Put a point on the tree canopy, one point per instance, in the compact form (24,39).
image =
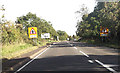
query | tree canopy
(12,33)
(31,20)
(105,14)
(62,35)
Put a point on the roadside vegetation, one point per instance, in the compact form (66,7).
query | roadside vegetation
(14,36)
(16,50)
(62,35)
(105,14)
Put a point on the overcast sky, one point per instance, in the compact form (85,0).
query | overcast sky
(61,13)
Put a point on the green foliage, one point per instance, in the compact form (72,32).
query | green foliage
(62,35)
(105,14)
(16,33)
(74,37)
(11,34)
(16,50)
(31,20)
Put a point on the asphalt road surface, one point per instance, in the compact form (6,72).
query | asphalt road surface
(74,56)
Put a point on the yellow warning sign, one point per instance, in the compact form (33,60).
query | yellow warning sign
(32,31)
(104,31)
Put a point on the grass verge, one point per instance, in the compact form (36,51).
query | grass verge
(99,43)
(11,54)
(15,50)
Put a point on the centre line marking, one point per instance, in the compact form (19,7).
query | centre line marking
(110,69)
(75,47)
(31,61)
(84,53)
(90,61)
(71,44)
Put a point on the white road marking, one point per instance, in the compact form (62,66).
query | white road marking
(110,65)
(80,51)
(67,42)
(104,65)
(90,61)
(31,61)
(110,69)
(71,44)
(75,47)
(54,43)
(84,53)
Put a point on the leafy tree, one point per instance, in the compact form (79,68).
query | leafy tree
(16,33)
(62,35)
(105,14)
(31,20)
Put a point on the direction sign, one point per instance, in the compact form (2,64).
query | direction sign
(32,31)
(45,35)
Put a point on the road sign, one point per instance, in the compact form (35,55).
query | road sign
(104,31)
(32,31)
(45,35)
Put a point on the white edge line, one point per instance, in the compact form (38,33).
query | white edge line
(110,69)
(31,60)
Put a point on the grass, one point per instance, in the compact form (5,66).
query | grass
(9,52)
(15,50)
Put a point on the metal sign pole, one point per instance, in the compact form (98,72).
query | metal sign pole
(102,39)
(35,40)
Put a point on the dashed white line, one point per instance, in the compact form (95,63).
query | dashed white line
(75,47)
(90,61)
(71,44)
(107,67)
(84,53)
(54,43)
(31,61)
(110,69)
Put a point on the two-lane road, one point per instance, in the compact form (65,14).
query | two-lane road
(74,56)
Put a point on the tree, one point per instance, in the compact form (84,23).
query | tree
(105,14)
(2,15)
(62,35)
(31,20)
(83,11)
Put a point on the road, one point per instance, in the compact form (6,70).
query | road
(74,56)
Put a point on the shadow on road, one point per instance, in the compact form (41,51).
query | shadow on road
(70,63)
(80,44)
(7,63)
(78,63)
(77,44)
